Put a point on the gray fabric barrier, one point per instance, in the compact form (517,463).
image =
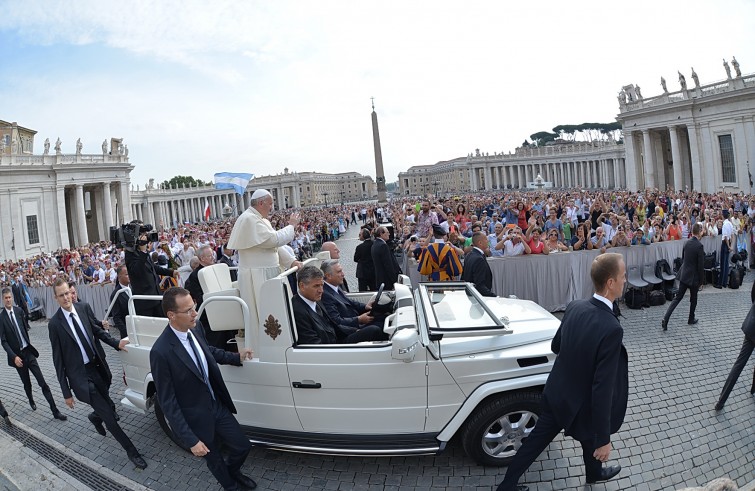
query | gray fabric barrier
(98,296)
(554,280)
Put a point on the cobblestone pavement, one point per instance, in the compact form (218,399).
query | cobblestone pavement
(671,437)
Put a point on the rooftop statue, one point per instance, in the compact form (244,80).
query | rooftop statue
(47,146)
(57,146)
(735,64)
(622,97)
(637,91)
(728,69)
(663,84)
(694,77)
(79,146)
(104,146)
(682,81)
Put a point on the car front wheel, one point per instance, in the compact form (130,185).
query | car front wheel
(495,430)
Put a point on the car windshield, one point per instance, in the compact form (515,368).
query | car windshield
(455,306)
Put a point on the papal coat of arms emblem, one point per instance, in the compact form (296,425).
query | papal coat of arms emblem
(272,327)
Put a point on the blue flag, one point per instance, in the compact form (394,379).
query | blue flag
(232,180)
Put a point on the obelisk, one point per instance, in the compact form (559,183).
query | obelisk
(379,173)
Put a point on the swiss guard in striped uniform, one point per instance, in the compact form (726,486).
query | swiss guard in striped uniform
(439,261)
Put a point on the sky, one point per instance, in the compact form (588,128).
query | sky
(196,88)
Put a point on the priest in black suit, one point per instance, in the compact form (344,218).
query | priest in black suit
(386,266)
(587,390)
(14,331)
(80,364)
(314,325)
(690,275)
(476,267)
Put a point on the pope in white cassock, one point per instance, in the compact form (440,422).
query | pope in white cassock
(260,247)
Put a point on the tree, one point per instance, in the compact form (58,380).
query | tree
(188,181)
(540,138)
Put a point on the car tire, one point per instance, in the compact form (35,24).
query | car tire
(163,422)
(497,428)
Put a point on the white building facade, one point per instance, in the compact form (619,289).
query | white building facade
(56,200)
(700,138)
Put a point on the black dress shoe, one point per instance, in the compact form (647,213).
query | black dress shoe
(138,461)
(719,406)
(33,406)
(97,422)
(244,481)
(692,322)
(606,473)
(664,324)
(6,418)
(59,416)
(717,286)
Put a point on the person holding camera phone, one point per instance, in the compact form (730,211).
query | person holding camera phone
(145,276)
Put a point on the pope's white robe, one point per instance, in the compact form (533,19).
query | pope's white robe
(260,256)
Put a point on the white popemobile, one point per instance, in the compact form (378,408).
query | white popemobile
(456,362)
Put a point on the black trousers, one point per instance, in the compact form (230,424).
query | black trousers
(544,432)
(366,285)
(104,411)
(228,431)
(683,287)
(748,345)
(366,333)
(31,365)
(3,412)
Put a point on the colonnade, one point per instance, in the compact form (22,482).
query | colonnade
(88,210)
(598,173)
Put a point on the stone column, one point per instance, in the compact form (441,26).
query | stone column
(630,162)
(648,160)
(81,219)
(107,207)
(676,158)
(488,178)
(60,209)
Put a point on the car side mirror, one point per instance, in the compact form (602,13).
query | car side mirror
(405,344)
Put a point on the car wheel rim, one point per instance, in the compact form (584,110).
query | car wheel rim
(503,437)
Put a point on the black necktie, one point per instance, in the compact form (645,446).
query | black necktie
(199,363)
(21,339)
(342,293)
(83,338)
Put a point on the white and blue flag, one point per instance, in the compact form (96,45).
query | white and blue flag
(232,180)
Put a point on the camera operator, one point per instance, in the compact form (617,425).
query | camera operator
(144,276)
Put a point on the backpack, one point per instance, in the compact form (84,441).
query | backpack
(734,279)
(634,298)
(662,266)
(656,297)
(710,261)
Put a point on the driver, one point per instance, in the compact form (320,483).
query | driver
(314,325)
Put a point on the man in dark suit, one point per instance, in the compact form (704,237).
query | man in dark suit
(81,367)
(19,296)
(363,257)
(386,266)
(335,253)
(14,331)
(225,257)
(193,395)
(340,308)
(587,390)
(120,307)
(314,325)
(748,345)
(690,275)
(476,267)
(145,278)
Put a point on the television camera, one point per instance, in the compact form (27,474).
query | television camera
(127,235)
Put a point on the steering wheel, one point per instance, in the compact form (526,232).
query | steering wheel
(378,294)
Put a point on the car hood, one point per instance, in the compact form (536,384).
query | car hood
(528,322)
